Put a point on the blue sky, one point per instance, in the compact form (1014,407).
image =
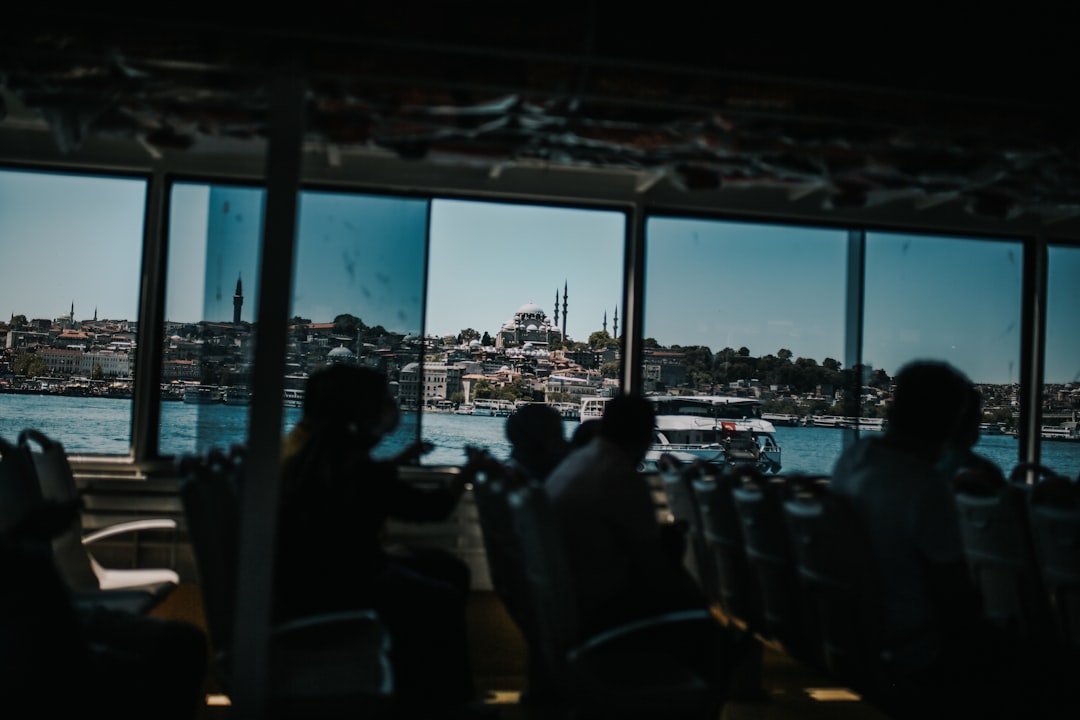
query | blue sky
(720,284)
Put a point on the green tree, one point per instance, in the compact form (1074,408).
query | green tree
(784,354)
(97,373)
(601,339)
(486,341)
(611,369)
(468,335)
(18,321)
(31,365)
(348,325)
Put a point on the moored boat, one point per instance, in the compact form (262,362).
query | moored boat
(712,428)
(202,394)
(237,395)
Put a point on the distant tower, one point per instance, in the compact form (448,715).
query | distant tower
(556,307)
(616,335)
(237,301)
(605,321)
(95,314)
(71,317)
(564,310)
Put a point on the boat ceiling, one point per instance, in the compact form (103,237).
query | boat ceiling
(917,124)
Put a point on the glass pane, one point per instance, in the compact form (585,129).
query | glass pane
(523,306)
(358,295)
(954,300)
(752,317)
(210,305)
(69,281)
(1061,373)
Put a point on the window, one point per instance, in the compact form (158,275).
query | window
(955,300)
(1061,372)
(754,312)
(522,306)
(69,287)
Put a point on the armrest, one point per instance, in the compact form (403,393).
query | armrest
(128,527)
(665,628)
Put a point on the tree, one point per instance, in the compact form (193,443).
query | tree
(486,341)
(468,335)
(31,365)
(784,354)
(18,321)
(97,373)
(611,369)
(601,339)
(348,325)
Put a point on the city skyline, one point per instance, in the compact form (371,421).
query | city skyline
(719,284)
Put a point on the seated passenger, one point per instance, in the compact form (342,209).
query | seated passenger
(621,563)
(960,457)
(335,501)
(535,432)
(941,647)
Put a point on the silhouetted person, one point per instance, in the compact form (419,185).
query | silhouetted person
(960,456)
(584,432)
(620,562)
(945,658)
(335,501)
(535,432)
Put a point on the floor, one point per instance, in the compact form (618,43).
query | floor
(792,690)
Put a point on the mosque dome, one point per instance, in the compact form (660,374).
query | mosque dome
(341,354)
(530,308)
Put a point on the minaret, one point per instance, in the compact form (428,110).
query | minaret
(556,307)
(564,310)
(616,335)
(237,301)
(71,317)
(95,314)
(605,321)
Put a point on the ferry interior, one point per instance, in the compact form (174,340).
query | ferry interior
(925,133)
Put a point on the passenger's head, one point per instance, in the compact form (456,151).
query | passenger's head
(536,433)
(629,422)
(352,399)
(929,404)
(585,432)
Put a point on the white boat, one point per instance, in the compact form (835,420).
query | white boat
(848,423)
(294,397)
(202,394)
(493,408)
(237,395)
(1066,432)
(714,428)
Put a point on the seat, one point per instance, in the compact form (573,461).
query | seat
(634,669)
(323,666)
(785,616)
(722,532)
(678,484)
(1000,554)
(841,586)
(71,550)
(1055,527)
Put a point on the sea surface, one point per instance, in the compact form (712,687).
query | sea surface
(103,426)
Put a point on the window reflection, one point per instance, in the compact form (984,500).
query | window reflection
(358,294)
(210,306)
(69,286)
(754,312)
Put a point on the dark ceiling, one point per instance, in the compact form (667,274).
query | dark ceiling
(859,110)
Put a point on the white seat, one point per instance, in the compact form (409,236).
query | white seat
(71,549)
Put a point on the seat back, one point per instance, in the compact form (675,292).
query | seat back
(841,584)
(492,483)
(678,485)
(770,555)
(1055,526)
(1000,554)
(723,537)
(57,483)
(209,494)
(20,492)
(552,605)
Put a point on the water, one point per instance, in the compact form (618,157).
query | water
(103,426)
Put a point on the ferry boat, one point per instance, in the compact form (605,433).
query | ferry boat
(1066,432)
(848,423)
(715,428)
(294,397)
(493,408)
(237,395)
(202,394)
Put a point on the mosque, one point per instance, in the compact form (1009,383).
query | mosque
(530,324)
